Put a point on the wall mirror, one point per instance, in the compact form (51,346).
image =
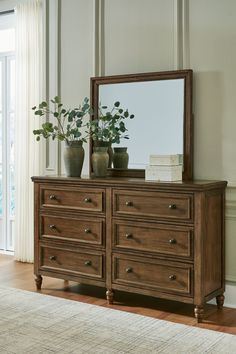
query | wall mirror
(162,105)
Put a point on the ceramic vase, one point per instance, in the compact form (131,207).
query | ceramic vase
(74,158)
(99,143)
(100,160)
(120,158)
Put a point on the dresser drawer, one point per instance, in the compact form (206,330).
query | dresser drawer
(155,238)
(76,199)
(80,230)
(81,263)
(153,204)
(151,274)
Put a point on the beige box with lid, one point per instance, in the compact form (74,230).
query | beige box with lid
(166,160)
(163,173)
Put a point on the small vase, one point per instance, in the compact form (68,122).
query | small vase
(120,157)
(74,158)
(100,143)
(100,161)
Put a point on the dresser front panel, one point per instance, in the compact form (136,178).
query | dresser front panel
(152,204)
(152,274)
(80,230)
(155,238)
(89,200)
(72,261)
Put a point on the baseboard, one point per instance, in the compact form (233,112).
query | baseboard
(230,295)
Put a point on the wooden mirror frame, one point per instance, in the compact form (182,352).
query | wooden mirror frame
(187,75)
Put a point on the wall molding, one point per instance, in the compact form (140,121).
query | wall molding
(53,165)
(231,202)
(231,278)
(96,37)
(185,34)
(99,37)
(230,210)
(177,35)
(181,34)
(231,185)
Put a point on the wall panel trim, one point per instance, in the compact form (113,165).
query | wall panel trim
(177,35)
(231,210)
(53,25)
(181,34)
(99,37)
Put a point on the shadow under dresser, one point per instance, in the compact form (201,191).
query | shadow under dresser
(159,239)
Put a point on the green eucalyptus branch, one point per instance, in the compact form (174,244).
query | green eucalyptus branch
(69,122)
(110,125)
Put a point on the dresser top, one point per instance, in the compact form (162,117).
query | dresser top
(139,183)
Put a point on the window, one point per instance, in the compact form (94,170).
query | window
(7,107)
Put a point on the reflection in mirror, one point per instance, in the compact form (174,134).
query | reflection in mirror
(158,107)
(162,105)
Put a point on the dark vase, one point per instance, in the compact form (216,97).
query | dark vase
(120,158)
(100,161)
(100,143)
(74,158)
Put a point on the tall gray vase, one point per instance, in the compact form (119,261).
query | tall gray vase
(74,158)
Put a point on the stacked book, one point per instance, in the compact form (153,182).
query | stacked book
(164,168)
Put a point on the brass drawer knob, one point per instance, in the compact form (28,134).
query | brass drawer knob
(52,197)
(128,236)
(129,270)
(172,277)
(87,231)
(172,206)
(87,200)
(52,258)
(52,227)
(88,263)
(172,241)
(129,203)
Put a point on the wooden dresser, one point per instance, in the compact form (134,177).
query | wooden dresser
(160,239)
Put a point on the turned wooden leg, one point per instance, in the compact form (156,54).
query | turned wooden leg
(199,313)
(220,301)
(38,281)
(110,296)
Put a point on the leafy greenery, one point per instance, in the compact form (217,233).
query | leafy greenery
(69,121)
(110,125)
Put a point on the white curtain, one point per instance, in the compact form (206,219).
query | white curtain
(28,152)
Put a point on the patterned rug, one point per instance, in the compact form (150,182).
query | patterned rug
(31,323)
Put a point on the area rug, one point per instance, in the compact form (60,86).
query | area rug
(32,323)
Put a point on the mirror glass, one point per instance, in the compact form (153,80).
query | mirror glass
(158,125)
(162,105)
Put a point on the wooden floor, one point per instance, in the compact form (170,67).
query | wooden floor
(20,275)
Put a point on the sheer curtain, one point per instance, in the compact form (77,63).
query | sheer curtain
(29,89)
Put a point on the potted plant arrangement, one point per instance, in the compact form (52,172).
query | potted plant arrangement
(107,129)
(68,127)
